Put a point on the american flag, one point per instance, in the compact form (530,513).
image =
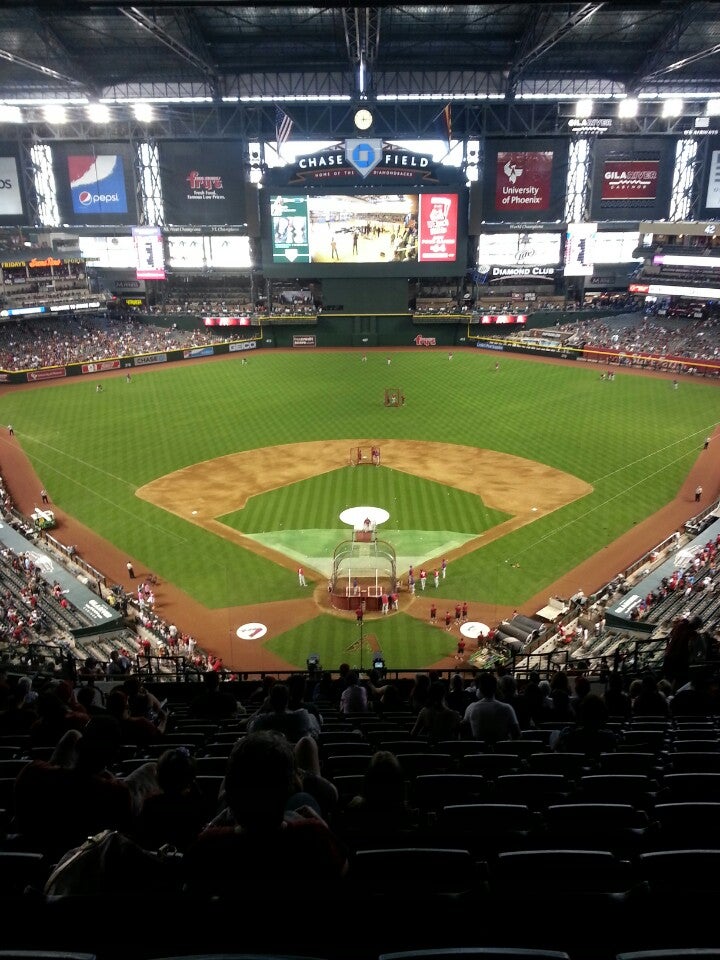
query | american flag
(283,126)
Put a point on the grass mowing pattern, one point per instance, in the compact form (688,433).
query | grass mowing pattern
(276,517)
(634,439)
(401,640)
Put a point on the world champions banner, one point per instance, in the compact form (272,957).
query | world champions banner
(203,183)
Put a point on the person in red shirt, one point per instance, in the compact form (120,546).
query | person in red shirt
(457,613)
(433,613)
(448,620)
(464,611)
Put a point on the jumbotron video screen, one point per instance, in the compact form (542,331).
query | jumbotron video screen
(408,228)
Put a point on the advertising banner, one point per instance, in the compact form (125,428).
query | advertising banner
(524,180)
(709,176)
(519,249)
(99,365)
(203,182)
(304,340)
(632,178)
(11,201)
(438,227)
(95,183)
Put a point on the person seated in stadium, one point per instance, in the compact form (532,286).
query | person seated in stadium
(323,689)
(560,694)
(419,692)
(139,730)
(458,697)
(55,716)
(118,666)
(617,701)
(213,703)
(508,693)
(380,811)
(488,718)
(58,804)
(590,734)
(297,686)
(354,698)
(278,841)
(436,720)
(697,698)
(178,812)
(275,714)
(649,701)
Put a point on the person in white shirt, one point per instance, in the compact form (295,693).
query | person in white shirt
(490,719)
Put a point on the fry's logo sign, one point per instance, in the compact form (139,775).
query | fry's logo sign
(425,341)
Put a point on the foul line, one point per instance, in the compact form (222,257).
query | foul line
(669,446)
(100,496)
(598,506)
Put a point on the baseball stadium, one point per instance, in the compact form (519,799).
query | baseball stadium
(359,480)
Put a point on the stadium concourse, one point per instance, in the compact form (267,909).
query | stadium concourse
(208,627)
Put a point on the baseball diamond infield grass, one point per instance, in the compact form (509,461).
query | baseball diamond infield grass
(633,440)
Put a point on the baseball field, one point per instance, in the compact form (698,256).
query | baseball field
(222,478)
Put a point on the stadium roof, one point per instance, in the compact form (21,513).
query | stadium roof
(177,51)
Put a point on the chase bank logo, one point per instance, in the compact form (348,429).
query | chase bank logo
(363,155)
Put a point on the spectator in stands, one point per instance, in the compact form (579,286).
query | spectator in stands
(275,714)
(354,698)
(213,703)
(590,736)
(696,698)
(139,730)
(508,693)
(419,692)
(91,700)
(19,709)
(538,695)
(582,689)
(560,694)
(457,697)
(436,720)
(297,685)
(676,661)
(55,718)
(119,666)
(177,814)
(617,701)
(489,719)
(323,689)
(276,833)
(380,812)
(650,702)
(340,681)
(86,798)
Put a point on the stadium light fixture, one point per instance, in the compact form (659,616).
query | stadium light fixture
(584,108)
(672,107)
(10,114)
(143,112)
(98,112)
(55,113)
(712,108)
(628,108)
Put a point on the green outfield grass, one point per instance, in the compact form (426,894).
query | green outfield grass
(633,439)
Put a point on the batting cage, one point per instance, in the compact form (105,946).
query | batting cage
(362,571)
